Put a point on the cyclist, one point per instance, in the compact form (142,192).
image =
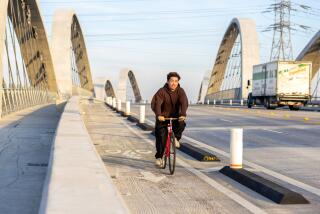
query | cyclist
(169,101)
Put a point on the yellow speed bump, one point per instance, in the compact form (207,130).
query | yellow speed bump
(306,119)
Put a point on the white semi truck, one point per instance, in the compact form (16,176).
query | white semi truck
(280,83)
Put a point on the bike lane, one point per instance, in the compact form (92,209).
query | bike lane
(128,154)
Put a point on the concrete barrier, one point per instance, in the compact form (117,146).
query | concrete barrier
(77,181)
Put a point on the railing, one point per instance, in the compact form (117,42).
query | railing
(226,102)
(17,99)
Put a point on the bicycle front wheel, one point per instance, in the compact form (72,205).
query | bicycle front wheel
(164,159)
(172,156)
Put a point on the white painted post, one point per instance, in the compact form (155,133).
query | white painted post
(231,102)
(119,105)
(128,111)
(214,102)
(142,114)
(236,148)
(208,102)
(242,102)
(114,102)
(221,102)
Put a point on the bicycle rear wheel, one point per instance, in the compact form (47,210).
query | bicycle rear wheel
(172,156)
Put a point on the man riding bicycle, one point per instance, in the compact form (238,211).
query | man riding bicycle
(170,101)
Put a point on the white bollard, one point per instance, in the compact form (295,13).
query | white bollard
(119,105)
(214,102)
(142,114)
(231,102)
(128,111)
(241,102)
(208,102)
(236,148)
(114,102)
(221,102)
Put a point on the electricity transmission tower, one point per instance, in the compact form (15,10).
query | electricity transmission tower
(282,28)
(281,42)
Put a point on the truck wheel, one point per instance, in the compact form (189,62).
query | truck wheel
(294,108)
(268,104)
(250,101)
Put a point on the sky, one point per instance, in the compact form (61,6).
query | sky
(153,37)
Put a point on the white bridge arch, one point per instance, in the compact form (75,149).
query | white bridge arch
(126,74)
(103,88)
(70,54)
(27,77)
(238,52)
(312,53)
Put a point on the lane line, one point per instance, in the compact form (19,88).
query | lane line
(211,169)
(232,195)
(229,121)
(268,130)
(277,175)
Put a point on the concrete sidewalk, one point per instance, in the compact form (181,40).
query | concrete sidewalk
(25,142)
(77,181)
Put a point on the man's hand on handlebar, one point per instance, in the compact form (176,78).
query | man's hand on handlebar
(182,118)
(161,118)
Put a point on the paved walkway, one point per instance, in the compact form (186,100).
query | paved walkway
(25,142)
(128,155)
(77,181)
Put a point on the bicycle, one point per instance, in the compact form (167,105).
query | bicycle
(170,149)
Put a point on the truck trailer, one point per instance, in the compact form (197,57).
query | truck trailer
(280,83)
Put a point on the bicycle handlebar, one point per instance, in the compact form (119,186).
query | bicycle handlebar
(171,118)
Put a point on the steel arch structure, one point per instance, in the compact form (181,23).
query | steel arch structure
(238,52)
(70,54)
(29,78)
(126,74)
(311,52)
(109,91)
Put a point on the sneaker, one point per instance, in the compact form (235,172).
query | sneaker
(177,143)
(158,162)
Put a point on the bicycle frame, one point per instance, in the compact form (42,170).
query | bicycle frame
(168,139)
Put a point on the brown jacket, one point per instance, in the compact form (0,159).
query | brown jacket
(169,103)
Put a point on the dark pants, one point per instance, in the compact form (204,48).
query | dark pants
(161,132)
